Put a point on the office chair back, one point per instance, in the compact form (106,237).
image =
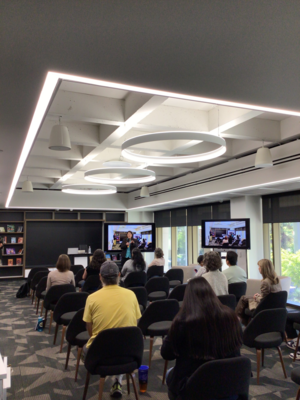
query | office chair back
(76,268)
(219,379)
(238,289)
(134,279)
(33,271)
(158,284)
(75,327)
(175,276)
(37,277)
(55,293)
(178,292)
(271,301)
(155,270)
(141,295)
(69,302)
(228,300)
(41,286)
(91,284)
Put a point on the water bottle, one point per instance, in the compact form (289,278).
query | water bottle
(89,251)
(40,324)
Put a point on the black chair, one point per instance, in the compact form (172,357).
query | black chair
(175,276)
(33,271)
(295,377)
(106,360)
(266,330)
(219,379)
(91,284)
(271,301)
(228,300)
(178,293)
(142,297)
(64,311)
(35,280)
(76,268)
(155,270)
(292,317)
(296,326)
(157,319)
(157,288)
(53,295)
(134,279)
(238,289)
(78,277)
(76,335)
(40,291)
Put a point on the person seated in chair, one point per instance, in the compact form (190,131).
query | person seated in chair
(62,275)
(95,265)
(110,307)
(136,263)
(202,270)
(269,284)
(234,273)
(159,258)
(203,330)
(213,263)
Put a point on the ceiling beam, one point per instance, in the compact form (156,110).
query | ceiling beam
(255,129)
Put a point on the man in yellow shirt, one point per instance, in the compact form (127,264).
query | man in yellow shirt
(110,307)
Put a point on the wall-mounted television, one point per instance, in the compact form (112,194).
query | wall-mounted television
(233,233)
(114,234)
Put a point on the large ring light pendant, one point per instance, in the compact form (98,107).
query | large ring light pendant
(89,189)
(176,135)
(136,175)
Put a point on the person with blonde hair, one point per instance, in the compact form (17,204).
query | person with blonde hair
(62,275)
(269,284)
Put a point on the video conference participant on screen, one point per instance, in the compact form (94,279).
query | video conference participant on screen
(127,245)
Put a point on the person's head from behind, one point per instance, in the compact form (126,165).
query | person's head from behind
(158,253)
(212,261)
(109,273)
(200,260)
(63,263)
(231,258)
(138,259)
(202,311)
(226,238)
(98,259)
(267,270)
(129,235)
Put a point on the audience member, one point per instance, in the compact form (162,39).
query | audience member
(202,270)
(212,262)
(94,268)
(62,275)
(203,330)
(127,245)
(269,284)
(110,307)
(225,240)
(159,258)
(137,263)
(234,273)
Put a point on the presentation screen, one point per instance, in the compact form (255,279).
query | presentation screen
(114,234)
(233,233)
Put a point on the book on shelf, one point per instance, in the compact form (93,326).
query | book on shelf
(13,240)
(20,240)
(20,251)
(20,229)
(2,229)
(10,228)
(10,251)
(4,239)
(19,261)
(10,261)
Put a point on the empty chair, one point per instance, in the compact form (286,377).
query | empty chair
(40,291)
(155,270)
(92,284)
(296,326)
(157,319)
(142,297)
(106,360)
(175,277)
(64,311)
(76,335)
(220,379)
(271,301)
(265,331)
(228,300)
(178,293)
(35,280)
(76,268)
(33,271)
(157,288)
(134,279)
(238,289)
(295,376)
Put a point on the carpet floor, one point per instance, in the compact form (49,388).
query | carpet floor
(38,368)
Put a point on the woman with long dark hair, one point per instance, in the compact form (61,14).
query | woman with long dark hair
(203,330)
(136,263)
(94,268)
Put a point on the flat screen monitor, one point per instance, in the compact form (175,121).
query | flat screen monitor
(233,233)
(114,234)
(83,247)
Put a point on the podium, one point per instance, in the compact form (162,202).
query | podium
(79,258)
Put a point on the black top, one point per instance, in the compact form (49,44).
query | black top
(185,366)
(91,271)
(124,246)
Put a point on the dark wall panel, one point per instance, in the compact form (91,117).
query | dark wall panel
(46,240)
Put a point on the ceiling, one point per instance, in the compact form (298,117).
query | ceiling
(237,51)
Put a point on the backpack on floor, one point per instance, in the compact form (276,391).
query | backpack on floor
(23,291)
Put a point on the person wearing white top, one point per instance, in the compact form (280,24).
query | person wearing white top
(217,280)
(234,273)
(202,270)
(159,258)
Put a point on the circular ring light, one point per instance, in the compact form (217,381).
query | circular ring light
(89,189)
(136,175)
(117,163)
(176,135)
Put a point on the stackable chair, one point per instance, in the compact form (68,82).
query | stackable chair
(157,288)
(296,326)
(265,331)
(64,311)
(40,291)
(142,297)
(76,268)
(78,277)
(178,293)
(238,289)
(76,335)
(155,270)
(105,359)
(134,279)
(92,284)
(271,301)
(33,271)
(35,280)
(228,300)
(295,377)
(175,276)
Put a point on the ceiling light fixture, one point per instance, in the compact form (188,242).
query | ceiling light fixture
(89,189)
(263,158)
(176,135)
(59,138)
(136,176)
(144,192)
(117,163)
(27,186)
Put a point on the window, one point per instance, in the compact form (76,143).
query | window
(199,241)
(166,247)
(271,242)
(181,240)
